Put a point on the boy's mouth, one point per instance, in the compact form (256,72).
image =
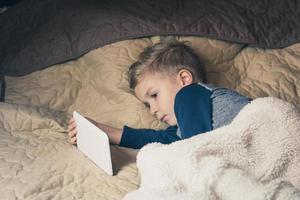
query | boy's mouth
(163,118)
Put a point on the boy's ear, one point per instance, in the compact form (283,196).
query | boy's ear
(185,76)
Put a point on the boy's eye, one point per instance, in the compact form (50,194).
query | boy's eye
(147,105)
(153,95)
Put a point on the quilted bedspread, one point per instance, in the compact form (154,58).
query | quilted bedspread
(38,162)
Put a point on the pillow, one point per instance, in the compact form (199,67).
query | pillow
(96,84)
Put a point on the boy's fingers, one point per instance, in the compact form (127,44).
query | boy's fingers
(71,126)
(72,122)
(73,140)
(71,119)
(73,133)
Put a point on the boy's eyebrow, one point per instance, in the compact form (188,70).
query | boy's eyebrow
(148,92)
(144,96)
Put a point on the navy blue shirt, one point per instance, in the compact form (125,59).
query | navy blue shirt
(193,111)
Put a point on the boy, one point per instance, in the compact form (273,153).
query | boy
(166,78)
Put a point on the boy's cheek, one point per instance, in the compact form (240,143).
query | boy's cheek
(172,121)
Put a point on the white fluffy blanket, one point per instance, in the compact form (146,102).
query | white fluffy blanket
(257,156)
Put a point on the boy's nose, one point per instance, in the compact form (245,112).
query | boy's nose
(153,110)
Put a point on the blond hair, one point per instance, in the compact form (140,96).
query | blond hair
(168,58)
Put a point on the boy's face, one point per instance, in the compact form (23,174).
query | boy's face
(158,92)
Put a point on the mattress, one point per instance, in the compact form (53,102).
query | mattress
(38,162)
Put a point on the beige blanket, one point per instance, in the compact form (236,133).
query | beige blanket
(257,156)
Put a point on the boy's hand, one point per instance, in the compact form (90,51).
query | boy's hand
(114,134)
(72,131)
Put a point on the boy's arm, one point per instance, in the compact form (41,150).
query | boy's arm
(114,134)
(128,137)
(193,110)
(137,138)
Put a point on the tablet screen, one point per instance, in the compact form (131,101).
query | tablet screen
(93,142)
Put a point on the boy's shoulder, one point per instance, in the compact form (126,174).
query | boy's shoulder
(194,90)
(194,98)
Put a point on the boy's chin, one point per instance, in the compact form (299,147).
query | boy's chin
(170,123)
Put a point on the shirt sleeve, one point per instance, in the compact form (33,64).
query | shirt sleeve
(137,138)
(193,110)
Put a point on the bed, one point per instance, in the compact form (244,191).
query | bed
(48,77)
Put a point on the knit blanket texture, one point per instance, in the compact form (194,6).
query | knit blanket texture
(256,156)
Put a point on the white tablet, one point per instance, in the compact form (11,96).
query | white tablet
(93,142)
